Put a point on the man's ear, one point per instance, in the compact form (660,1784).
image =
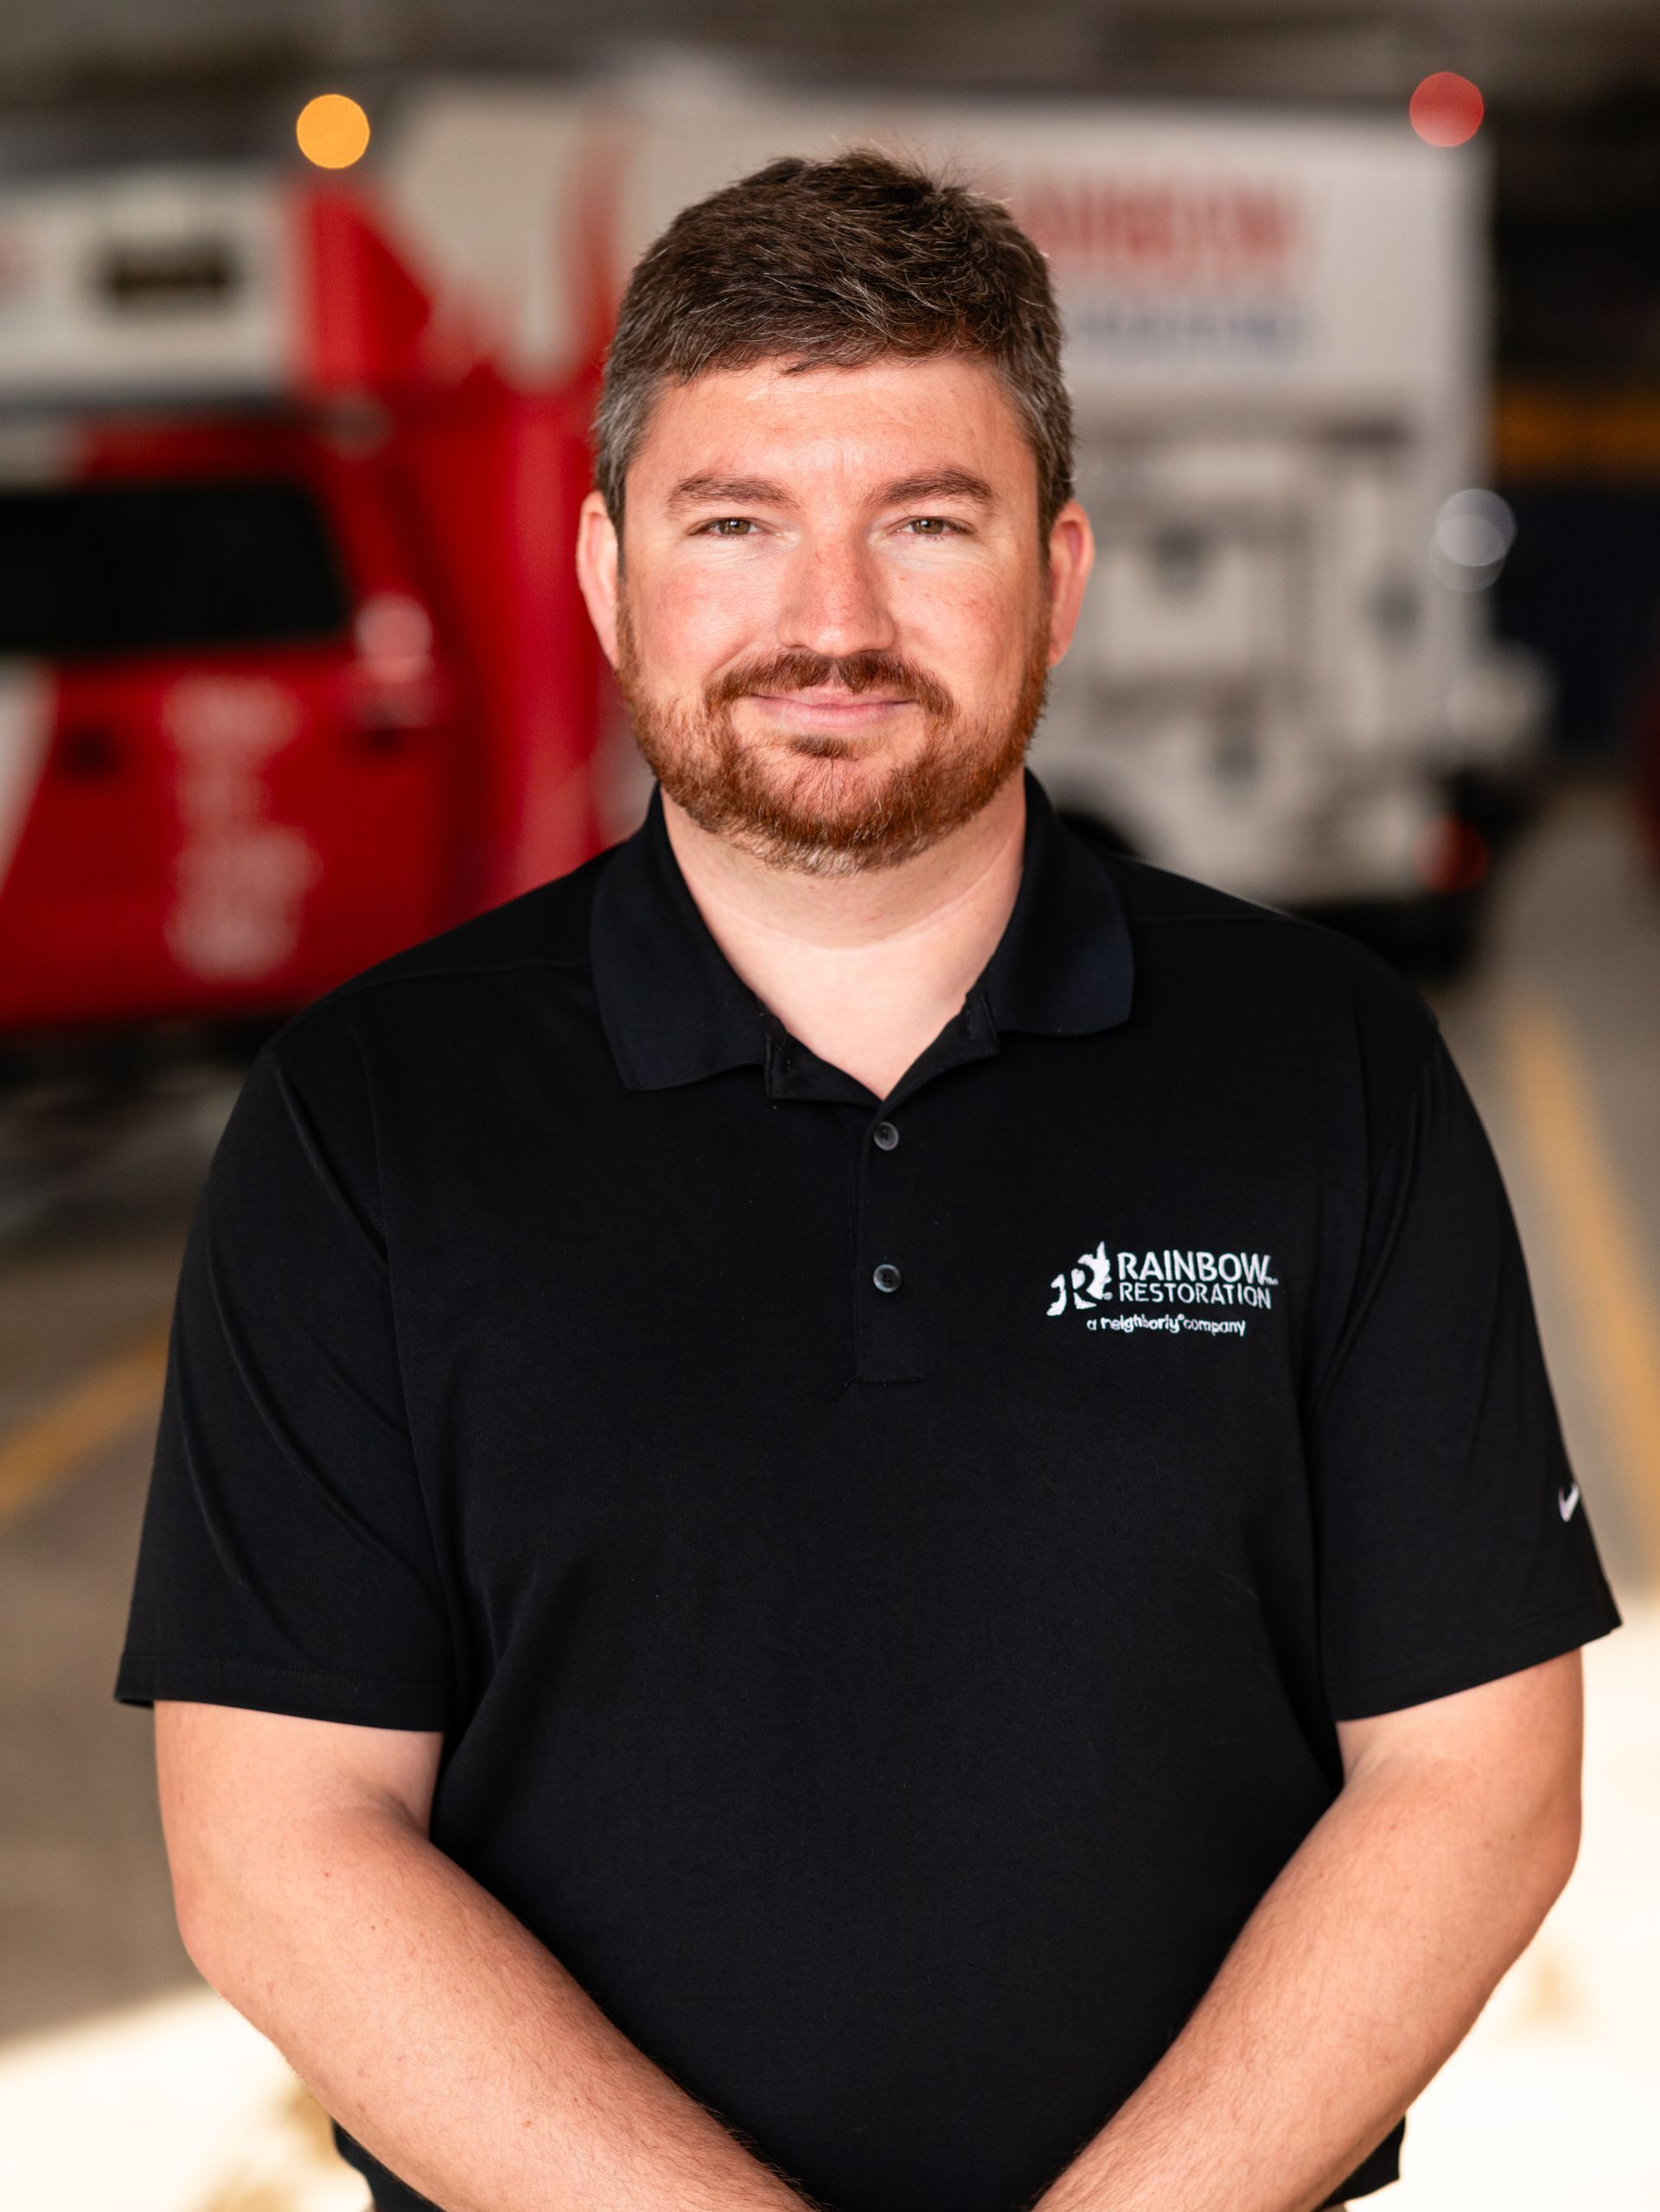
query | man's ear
(598,561)
(1071,556)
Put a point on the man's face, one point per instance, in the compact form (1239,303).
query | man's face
(835,620)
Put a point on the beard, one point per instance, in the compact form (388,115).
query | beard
(795,817)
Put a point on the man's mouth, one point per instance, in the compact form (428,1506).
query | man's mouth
(831,707)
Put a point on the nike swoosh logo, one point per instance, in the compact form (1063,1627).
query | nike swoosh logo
(1566,1500)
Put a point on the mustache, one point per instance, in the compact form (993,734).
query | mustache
(801,671)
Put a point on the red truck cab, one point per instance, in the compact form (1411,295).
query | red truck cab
(292,668)
(224,671)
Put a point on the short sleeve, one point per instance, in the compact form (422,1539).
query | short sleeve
(286,1561)
(1454,1544)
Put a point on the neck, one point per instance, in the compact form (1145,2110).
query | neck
(865,969)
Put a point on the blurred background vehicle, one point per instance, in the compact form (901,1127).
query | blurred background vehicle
(293,670)
(301,316)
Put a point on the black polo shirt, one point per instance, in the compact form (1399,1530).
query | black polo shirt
(886,1571)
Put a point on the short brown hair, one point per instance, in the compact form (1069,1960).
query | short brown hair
(838,262)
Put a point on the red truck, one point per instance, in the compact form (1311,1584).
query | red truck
(293,669)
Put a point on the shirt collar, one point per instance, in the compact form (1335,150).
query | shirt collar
(675,1011)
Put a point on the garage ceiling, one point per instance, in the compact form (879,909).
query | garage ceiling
(1557,52)
(1572,88)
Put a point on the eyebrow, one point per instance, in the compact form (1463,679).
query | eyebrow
(940,483)
(756,491)
(735,491)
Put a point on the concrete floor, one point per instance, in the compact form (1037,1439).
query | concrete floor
(1558,1031)
(85,1915)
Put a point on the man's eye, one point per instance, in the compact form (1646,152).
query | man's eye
(929,525)
(729,526)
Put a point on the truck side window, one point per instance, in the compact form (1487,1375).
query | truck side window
(93,571)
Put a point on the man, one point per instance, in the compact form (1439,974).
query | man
(856,1508)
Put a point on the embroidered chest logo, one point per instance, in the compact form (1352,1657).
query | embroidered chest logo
(1184,1290)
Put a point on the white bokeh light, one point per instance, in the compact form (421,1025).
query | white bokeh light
(1474,530)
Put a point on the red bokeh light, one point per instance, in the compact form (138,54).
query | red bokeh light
(1452,855)
(1446,108)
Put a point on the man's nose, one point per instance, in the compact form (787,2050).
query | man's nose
(834,604)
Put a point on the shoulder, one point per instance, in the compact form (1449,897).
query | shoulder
(412,1044)
(1306,992)
(442,992)
(423,1037)
(1193,923)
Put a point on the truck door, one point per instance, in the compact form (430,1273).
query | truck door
(243,798)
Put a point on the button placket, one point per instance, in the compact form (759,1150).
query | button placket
(889,1309)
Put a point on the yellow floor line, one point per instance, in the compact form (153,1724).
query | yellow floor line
(1614,1307)
(95,1411)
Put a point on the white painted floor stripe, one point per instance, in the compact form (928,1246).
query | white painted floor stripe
(177,2106)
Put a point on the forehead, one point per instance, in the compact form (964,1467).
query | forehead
(844,429)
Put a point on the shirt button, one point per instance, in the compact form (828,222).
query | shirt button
(886,1277)
(884,1136)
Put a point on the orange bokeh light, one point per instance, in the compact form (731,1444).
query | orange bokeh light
(333,130)
(1446,108)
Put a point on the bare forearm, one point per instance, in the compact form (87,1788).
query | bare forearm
(1363,1968)
(449,2042)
